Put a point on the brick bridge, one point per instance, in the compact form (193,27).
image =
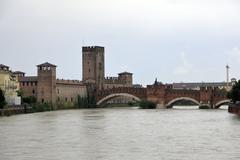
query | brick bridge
(165,96)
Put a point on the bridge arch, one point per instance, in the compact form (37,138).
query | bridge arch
(218,105)
(114,95)
(169,104)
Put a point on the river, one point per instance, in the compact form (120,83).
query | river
(121,134)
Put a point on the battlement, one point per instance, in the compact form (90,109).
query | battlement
(114,80)
(159,86)
(69,82)
(93,49)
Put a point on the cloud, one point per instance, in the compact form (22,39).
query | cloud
(185,68)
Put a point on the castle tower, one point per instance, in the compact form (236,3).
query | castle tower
(46,83)
(93,66)
(126,77)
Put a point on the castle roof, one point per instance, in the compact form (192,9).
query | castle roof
(2,66)
(18,72)
(28,79)
(123,73)
(46,64)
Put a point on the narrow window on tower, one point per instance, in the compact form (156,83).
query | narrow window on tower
(89,70)
(100,66)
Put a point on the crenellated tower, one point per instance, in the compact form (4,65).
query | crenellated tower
(93,66)
(46,83)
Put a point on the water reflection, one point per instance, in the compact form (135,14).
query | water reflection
(191,107)
(185,107)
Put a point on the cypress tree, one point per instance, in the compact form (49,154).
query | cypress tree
(2,99)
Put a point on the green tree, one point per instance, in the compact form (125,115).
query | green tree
(20,93)
(2,100)
(234,94)
(29,100)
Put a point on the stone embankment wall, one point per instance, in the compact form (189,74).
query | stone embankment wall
(12,110)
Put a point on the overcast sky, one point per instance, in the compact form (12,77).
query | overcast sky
(173,40)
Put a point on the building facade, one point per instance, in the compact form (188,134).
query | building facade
(9,85)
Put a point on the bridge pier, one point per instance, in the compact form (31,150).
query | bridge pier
(161,106)
(203,105)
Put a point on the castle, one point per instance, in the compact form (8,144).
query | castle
(48,89)
(93,70)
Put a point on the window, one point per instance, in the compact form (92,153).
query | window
(66,99)
(33,91)
(42,100)
(71,99)
(100,66)
(58,99)
(58,91)
(89,70)
(23,83)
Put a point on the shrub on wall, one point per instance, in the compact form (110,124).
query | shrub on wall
(29,100)
(86,102)
(41,107)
